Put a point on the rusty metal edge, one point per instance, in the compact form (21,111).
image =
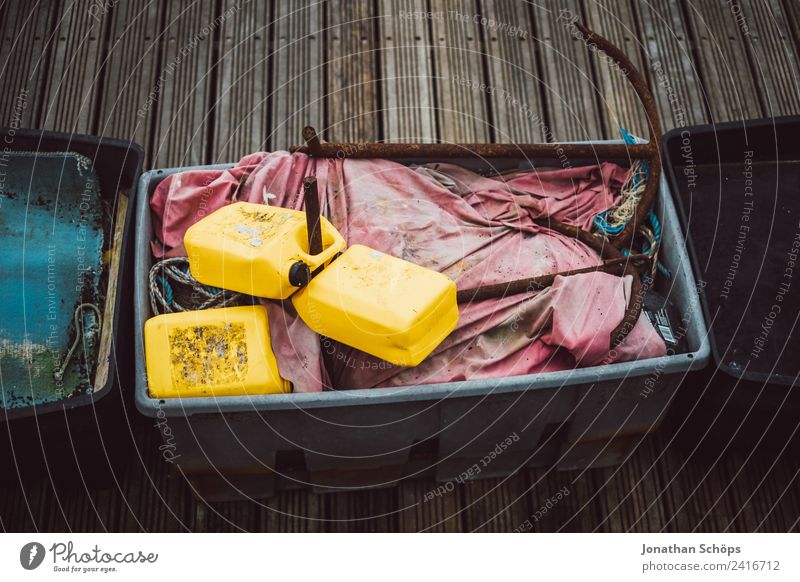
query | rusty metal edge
(648,151)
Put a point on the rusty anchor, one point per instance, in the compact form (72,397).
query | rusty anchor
(611,251)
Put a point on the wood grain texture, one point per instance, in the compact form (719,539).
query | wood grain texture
(515,99)
(461,113)
(131,72)
(241,104)
(407,72)
(674,80)
(182,91)
(626,493)
(619,104)
(27,34)
(353,91)
(494,505)
(792,10)
(297,91)
(421,509)
(570,98)
(367,70)
(773,53)
(75,79)
(722,61)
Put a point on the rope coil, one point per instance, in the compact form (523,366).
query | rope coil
(175,271)
(613,221)
(58,375)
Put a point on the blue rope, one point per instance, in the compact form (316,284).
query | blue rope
(600,220)
(602,225)
(166,288)
(630,140)
(655,225)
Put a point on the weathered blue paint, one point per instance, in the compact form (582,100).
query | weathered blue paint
(51,244)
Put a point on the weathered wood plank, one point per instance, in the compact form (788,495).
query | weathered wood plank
(52,511)
(673,79)
(747,491)
(15,506)
(625,494)
(361,511)
(673,493)
(460,82)
(225,517)
(712,510)
(241,109)
(26,35)
(421,510)
(619,104)
(494,505)
(155,497)
(792,9)
(353,88)
(72,91)
(183,87)
(575,510)
(131,74)
(131,508)
(292,511)
(722,60)
(406,72)
(570,99)
(514,77)
(763,492)
(26,508)
(773,52)
(80,511)
(784,513)
(298,91)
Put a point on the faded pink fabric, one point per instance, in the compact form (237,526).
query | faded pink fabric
(477,230)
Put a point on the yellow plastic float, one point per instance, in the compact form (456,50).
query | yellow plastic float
(214,352)
(257,249)
(382,305)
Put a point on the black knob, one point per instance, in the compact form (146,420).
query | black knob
(299,274)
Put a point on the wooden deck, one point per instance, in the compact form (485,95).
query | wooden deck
(207,81)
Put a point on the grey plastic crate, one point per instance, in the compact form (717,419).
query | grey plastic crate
(588,417)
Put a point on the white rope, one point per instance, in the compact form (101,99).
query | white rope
(58,375)
(631,195)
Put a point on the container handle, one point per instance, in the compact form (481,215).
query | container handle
(313,223)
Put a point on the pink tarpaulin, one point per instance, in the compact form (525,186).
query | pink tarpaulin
(477,230)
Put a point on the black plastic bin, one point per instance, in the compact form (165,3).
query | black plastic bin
(79,439)
(737,188)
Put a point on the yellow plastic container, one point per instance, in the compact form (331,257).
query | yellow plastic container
(215,352)
(251,248)
(382,305)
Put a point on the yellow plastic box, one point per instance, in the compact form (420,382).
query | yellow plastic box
(215,352)
(382,305)
(250,248)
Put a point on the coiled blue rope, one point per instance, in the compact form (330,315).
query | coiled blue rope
(601,223)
